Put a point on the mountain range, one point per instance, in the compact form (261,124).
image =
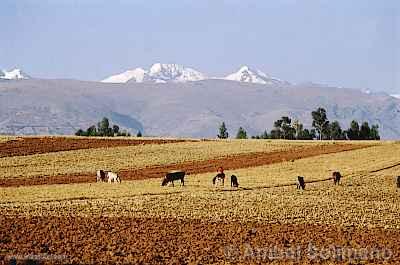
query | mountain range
(163,73)
(172,100)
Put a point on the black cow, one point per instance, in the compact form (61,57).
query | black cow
(336,177)
(398,181)
(220,177)
(101,175)
(234,181)
(174,175)
(301,184)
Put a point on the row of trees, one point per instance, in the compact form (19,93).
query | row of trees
(103,129)
(323,129)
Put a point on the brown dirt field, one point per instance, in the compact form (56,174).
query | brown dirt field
(193,167)
(107,240)
(40,145)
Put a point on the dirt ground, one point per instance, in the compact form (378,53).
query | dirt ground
(106,240)
(193,167)
(41,145)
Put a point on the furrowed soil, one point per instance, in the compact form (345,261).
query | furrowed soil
(109,240)
(40,145)
(193,167)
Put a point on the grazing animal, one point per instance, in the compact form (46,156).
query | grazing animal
(113,177)
(336,177)
(234,181)
(301,184)
(101,176)
(174,175)
(398,181)
(220,177)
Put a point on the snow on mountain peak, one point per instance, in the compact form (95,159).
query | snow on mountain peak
(248,75)
(158,73)
(174,72)
(14,74)
(137,75)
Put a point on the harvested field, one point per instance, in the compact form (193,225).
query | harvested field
(105,240)
(265,220)
(22,146)
(133,157)
(193,167)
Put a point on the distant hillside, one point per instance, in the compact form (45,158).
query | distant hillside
(192,109)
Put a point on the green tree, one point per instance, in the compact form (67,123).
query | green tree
(365,131)
(374,133)
(353,133)
(91,131)
(241,134)
(139,134)
(223,131)
(104,127)
(320,122)
(283,129)
(115,129)
(335,131)
(80,132)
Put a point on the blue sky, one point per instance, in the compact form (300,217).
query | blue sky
(344,43)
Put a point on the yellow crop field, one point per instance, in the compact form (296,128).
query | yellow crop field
(117,158)
(86,222)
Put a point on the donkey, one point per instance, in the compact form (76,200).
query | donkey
(113,177)
(174,175)
(301,184)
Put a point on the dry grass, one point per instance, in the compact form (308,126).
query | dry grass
(117,158)
(364,199)
(5,138)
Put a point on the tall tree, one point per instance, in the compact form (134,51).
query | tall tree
(223,131)
(104,127)
(241,134)
(353,133)
(365,131)
(320,122)
(298,127)
(374,133)
(115,129)
(335,131)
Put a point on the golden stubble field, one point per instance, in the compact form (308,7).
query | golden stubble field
(141,222)
(362,199)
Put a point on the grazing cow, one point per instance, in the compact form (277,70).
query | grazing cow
(301,184)
(398,181)
(220,176)
(101,176)
(174,175)
(234,181)
(113,177)
(336,177)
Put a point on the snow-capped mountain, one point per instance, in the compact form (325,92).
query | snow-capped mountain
(396,96)
(137,75)
(248,75)
(14,74)
(158,73)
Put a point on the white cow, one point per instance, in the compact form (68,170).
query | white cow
(113,177)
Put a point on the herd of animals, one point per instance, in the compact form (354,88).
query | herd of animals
(170,177)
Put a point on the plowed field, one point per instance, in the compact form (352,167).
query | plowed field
(41,145)
(105,240)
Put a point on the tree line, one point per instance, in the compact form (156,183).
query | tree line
(323,129)
(103,129)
